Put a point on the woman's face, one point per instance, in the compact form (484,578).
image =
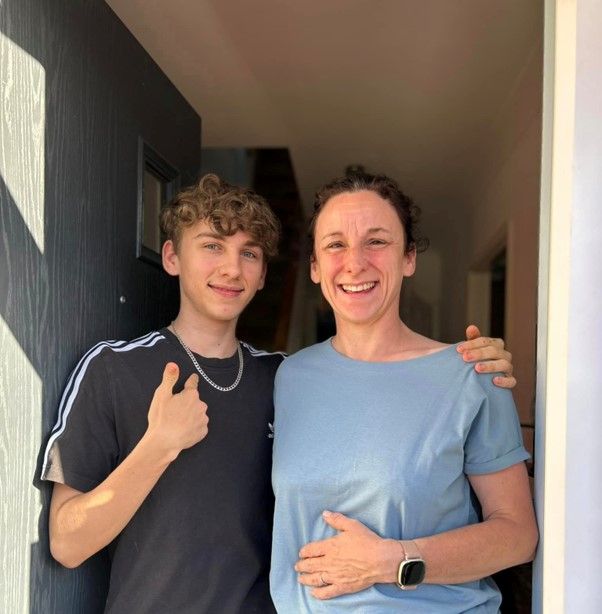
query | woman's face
(359,257)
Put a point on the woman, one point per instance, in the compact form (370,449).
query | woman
(420,457)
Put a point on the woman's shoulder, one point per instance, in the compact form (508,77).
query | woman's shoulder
(308,355)
(419,346)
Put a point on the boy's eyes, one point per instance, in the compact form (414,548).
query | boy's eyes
(246,253)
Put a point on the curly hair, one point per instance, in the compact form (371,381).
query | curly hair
(386,188)
(226,208)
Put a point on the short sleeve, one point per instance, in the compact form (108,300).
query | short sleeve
(82,449)
(494,441)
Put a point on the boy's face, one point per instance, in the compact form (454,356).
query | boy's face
(218,275)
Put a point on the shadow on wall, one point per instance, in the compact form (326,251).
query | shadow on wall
(78,92)
(33,581)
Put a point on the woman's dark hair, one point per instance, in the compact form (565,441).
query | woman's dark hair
(387,189)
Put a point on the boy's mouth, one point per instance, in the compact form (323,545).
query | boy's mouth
(227,291)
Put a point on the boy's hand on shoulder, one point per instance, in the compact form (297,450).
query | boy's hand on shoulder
(176,421)
(490,356)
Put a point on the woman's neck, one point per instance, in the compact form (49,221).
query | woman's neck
(380,343)
(370,342)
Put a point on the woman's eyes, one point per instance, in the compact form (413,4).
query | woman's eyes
(370,243)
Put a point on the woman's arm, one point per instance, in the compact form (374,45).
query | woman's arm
(357,558)
(507,536)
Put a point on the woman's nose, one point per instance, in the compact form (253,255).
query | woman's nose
(355,259)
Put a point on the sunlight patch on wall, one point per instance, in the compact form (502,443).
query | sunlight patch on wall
(22,125)
(20,408)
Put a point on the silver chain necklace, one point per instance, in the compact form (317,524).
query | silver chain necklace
(200,370)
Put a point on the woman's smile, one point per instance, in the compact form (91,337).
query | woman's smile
(360,258)
(363,288)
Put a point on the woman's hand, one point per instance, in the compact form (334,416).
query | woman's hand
(490,356)
(349,562)
(356,558)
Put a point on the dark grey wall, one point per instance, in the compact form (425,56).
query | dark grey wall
(77,93)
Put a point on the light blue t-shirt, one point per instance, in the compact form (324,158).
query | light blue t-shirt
(389,444)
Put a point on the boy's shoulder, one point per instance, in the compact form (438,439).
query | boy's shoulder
(149,343)
(133,358)
(264,357)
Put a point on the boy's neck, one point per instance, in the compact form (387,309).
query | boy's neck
(210,339)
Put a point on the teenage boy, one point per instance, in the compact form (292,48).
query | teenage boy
(189,526)
(184,504)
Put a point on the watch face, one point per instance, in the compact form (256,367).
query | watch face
(412,573)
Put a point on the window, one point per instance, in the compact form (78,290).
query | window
(158,181)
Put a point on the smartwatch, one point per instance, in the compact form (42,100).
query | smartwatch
(412,568)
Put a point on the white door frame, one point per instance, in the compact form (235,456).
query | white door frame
(565,567)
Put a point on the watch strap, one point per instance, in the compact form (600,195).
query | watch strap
(410,549)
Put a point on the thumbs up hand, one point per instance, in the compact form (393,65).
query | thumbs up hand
(176,421)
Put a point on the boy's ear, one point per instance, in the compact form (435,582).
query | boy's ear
(262,279)
(314,270)
(169,258)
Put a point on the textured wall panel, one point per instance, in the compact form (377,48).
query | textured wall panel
(77,93)
(22,171)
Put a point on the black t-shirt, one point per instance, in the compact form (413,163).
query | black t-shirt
(201,540)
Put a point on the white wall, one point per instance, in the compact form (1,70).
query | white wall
(502,204)
(583,562)
(569,455)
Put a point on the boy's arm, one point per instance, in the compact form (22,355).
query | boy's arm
(81,524)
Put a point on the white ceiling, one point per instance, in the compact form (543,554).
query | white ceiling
(410,88)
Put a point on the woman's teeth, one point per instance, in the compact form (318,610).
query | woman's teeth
(358,287)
